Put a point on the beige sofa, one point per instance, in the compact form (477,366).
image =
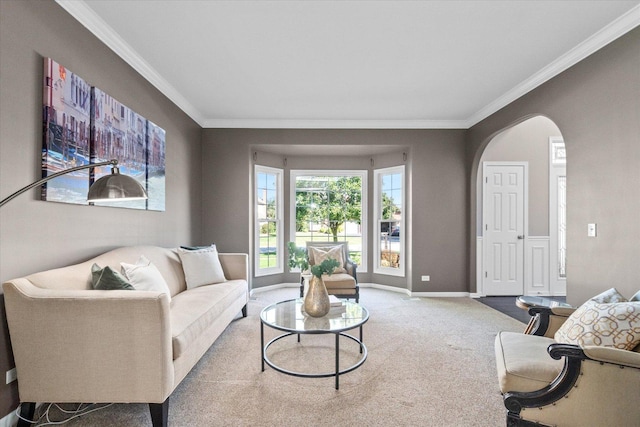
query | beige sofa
(75,344)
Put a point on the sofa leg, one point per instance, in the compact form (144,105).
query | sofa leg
(244,311)
(27,410)
(159,413)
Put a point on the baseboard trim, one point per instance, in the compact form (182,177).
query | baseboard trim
(377,286)
(9,420)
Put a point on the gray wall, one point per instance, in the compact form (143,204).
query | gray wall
(528,141)
(595,105)
(37,235)
(436,242)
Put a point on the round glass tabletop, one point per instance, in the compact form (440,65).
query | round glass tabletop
(290,316)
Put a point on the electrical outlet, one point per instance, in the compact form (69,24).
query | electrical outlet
(426,278)
(592,230)
(11,375)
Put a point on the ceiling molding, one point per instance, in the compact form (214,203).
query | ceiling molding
(333,124)
(87,17)
(611,32)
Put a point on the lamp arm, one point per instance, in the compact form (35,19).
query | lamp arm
(112,162)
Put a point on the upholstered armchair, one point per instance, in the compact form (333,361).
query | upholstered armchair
(343,283)
(572,369)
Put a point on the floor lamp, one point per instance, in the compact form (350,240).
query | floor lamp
(113,187)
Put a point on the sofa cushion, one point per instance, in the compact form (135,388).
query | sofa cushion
(107,279)
(340,282)
(523,362)
(201,266)
(144,276)
(193,311)
(610,325)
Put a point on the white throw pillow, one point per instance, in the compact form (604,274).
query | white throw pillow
(144,276)
(333,252)
(201,266)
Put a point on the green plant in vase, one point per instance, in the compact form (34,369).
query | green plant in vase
(327,266)
(298,257)
(316,302)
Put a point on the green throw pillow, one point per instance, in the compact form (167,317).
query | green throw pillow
(108,279)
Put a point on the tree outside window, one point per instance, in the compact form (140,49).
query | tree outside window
(329,208)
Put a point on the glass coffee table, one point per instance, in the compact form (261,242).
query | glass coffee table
(289,316)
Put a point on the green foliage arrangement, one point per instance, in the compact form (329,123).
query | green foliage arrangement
(326,266)
(298,257)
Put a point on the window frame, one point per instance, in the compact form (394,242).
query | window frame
(279,221)
(377,215)
(363,174)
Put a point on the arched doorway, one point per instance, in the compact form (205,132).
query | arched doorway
(521,211)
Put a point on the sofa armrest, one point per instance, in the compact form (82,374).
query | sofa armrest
(89,345)
(613,355)
(597,386)
(235,266)
(548,320)
(351,268)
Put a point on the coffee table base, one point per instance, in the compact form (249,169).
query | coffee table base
(336,373)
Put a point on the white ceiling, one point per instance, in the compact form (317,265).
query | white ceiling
(350,64)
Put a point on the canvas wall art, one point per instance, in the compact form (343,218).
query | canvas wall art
(66,128)
(84,124)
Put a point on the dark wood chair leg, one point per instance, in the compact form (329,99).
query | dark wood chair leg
(27,410)
(244,311)
(159,413)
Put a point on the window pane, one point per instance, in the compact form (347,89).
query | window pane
(267,254)
(389,244)
(328,208)
(268,244)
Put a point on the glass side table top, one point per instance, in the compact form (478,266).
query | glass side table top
(290,316)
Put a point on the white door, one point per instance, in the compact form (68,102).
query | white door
(504,217)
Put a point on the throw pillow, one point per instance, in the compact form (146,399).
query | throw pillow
(609,296)
(635,297)
(144,276)
(107,279)
(201,267)
(196,248)
(334,252)
(610,325)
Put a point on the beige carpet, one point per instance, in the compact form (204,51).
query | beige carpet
(430,363)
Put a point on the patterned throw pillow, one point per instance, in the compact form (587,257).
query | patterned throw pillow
(610,295)
(609,325)
(334,252)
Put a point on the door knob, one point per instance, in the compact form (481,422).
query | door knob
(520,237)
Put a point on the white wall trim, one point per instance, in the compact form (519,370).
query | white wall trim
(9,420)
(94,23)
(614,30)
(479,265)
(376,286)
(536,270)
(87,17)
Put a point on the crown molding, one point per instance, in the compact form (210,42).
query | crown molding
(611,32)
(103,31)
(333,124)
(87,17)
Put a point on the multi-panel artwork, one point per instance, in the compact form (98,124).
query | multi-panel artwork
(83,125)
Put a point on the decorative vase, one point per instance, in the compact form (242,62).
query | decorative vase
(306,277)
(316,303)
